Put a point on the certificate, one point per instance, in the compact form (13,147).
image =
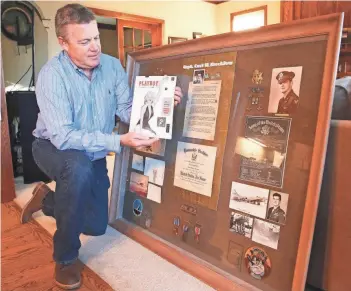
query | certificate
(263,150)
(194,167)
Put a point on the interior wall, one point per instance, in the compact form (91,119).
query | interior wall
(182,18)
(16,61)
(223,11)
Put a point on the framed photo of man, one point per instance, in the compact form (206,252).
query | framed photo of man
(284,94)
(277,207)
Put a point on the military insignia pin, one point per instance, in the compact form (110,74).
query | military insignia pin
(257,77)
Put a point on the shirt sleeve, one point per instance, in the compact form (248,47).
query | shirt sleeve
(57,114)
(123,94)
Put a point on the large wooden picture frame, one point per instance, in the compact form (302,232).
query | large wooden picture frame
(326,30)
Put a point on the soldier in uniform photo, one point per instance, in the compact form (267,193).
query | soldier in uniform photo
(275,213)
(290,101)
(198,77)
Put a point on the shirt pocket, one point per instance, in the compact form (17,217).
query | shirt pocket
(111,101)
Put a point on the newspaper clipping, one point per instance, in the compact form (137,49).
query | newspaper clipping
(201,110)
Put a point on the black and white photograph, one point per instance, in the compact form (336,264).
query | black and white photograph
(284,95)
(241,224)
(155,170)
(249,199)
(277,207)
(266,233)
(138,163)
(198,76)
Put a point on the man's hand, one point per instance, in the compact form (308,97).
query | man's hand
(135,140)
(178,95)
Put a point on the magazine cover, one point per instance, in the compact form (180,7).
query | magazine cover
(152,112)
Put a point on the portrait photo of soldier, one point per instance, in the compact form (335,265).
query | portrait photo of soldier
(277,207)
(198,77)
(285,87)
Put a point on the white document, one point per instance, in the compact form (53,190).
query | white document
(154,193)
(153,102)
(201,110)
(194,167)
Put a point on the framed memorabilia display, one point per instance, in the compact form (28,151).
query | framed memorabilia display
(232,197)
(173,39)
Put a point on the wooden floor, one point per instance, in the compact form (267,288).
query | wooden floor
(26,256)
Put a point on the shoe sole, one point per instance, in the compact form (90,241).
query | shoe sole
(34,196)
(68,287)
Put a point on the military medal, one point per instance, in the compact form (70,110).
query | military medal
(197,231)
(256,93)
(176,223)
(185,230)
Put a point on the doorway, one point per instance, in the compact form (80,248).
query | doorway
(122,33)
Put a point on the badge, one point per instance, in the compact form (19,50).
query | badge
(256,93)
(257,77)
(188,209)
(137,207)
(257,263)
(176,224)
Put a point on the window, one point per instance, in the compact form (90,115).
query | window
(248,19)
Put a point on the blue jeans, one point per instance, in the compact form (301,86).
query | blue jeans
(80,201)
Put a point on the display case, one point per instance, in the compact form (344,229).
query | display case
(232,197)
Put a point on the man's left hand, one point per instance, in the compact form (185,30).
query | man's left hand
(178,95)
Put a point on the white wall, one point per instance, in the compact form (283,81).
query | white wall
(15,64)
(223,11)
(16,60)
(181,17)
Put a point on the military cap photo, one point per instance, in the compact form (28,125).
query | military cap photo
(285,76)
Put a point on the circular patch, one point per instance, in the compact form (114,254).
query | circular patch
(257,263)
(137,207)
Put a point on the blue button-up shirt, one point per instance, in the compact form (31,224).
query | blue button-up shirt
(78,113)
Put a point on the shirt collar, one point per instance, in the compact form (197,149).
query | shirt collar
(66,56)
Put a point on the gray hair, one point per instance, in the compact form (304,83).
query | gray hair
(72,14)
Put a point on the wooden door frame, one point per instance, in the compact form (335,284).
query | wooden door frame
(7,178)
(132,17)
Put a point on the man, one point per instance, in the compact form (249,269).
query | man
(290,101)
(79,92)
(198,78)
(275,213)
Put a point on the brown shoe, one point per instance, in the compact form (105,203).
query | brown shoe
(35,203)
(68,276)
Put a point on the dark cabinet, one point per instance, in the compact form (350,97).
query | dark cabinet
(22,116)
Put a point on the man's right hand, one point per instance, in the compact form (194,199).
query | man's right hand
(134,140)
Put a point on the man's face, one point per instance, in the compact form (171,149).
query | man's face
(82,43)
(285,86)
(276,201)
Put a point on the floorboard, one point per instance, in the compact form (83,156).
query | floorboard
(26,257)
